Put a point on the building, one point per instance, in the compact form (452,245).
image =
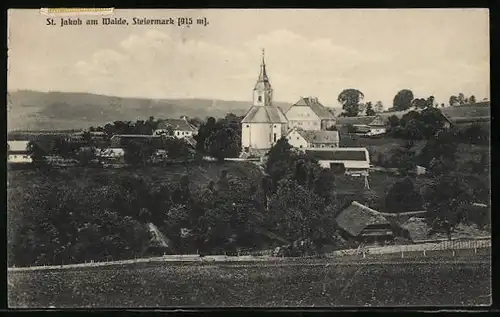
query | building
(180,128)
(18,152)
(363,224)
(349,160)
(264,124)
(369,125)
(309,114)
(299,138)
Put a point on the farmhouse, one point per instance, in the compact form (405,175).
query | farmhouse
(264,124)
(363,224)
(370,125)
(18,152)
(180,128)
(299,138)
(309,114)
(350,160)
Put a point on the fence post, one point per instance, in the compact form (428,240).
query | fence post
(402,254)
(364,255)
(424,252)
(453,252)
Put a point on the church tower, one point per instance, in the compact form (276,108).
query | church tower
(262,92)
(264,124)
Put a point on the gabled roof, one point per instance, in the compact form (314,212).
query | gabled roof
(399,114)
(316,107)
(176,124)
(264,114)
(363,120)
(321,136)
(356,217)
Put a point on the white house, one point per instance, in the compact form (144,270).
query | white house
(353,161)
(180,127)
(309,114)
(263,124)
(300,138)
(18,152)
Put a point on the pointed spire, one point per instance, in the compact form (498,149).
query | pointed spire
(263,73)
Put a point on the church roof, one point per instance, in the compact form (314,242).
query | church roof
(264,114)
(316,106)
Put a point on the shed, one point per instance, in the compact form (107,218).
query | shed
(363,224)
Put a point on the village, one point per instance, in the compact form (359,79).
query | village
(307,126)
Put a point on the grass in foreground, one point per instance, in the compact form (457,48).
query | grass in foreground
(316,283)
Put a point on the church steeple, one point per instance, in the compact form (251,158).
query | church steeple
(262,92)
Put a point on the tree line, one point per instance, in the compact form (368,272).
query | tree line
(352,103)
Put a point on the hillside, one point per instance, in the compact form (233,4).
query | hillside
(32,110)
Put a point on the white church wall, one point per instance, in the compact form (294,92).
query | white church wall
(257,135)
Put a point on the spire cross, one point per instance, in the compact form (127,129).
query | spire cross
(263,56)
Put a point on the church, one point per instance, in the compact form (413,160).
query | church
(264,123)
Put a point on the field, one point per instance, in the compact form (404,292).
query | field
(298,283)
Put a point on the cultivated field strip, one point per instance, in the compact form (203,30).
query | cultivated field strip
(318,284)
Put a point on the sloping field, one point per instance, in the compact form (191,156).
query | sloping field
(299,283)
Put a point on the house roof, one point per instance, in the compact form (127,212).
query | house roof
(315,106)
(17,146)
(363,120)
(350,157)
(264,114)
(321,136)
(356,217)
(176,124)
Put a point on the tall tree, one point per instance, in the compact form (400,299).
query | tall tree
(445,199)
(402,100)
(472,99)
(419,103)
(379,106)
(461,99)
(350,100)
(403,196)
(369,109)
(453,100)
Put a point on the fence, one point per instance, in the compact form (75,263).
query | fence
(420,249)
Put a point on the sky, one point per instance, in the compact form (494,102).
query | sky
(439,52)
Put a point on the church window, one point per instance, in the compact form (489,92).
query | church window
(259,98)
(297,138)
(275,137)
(248,126)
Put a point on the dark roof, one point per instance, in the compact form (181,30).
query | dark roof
(364,120)
(356,217)
(264,114)
(176,124)
(321,136)
(339,154)
(316,107)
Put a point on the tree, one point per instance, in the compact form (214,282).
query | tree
(350,100)
(461,99)
(472,99)
(453,100)
(430,101)
(403,197)
(402,100)
(369,109)
(379,106)
(393,121)
(138,152)
(444,200)
(419,103)
(279,160)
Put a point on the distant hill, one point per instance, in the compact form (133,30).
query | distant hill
(33,110)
